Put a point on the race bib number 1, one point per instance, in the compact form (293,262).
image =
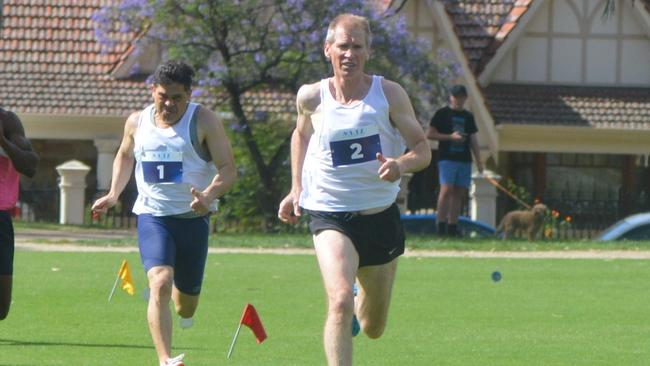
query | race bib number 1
(355,145)
(162,166)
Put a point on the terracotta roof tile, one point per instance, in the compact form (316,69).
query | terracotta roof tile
(50,61)
(483,25)
(282,104)
(598,107)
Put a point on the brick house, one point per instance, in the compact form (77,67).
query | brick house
(69,93)
(561,95)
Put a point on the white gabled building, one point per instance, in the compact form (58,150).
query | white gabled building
(561,95)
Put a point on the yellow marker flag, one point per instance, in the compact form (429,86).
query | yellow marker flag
(125,275)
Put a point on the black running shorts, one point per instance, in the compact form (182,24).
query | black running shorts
(378,238)
(6,244)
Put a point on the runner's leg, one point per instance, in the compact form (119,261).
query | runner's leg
(338,261)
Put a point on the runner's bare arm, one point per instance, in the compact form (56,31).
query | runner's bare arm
(403,117)
(307,103)
(122,166)
(16,145)
(212,132)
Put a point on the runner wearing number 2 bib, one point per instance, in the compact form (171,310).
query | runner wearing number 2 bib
(183,163)
(347,157)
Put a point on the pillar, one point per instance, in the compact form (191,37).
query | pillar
(72,187)
(106,148)
(483,197)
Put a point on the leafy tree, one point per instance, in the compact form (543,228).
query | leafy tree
(243,47)
(610,8)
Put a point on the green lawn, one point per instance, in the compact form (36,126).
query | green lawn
(444,312)
(297,240)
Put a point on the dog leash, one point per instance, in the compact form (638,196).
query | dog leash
(496,184)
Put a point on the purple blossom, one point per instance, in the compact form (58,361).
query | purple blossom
(198,92)
(293,41)
(259,58)
(285,40)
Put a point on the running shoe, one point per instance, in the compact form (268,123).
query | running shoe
(356,327)
(176,361)
(185,322)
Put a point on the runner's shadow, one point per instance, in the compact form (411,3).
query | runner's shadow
(13,342)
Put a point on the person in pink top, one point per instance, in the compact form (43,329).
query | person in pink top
(16,156)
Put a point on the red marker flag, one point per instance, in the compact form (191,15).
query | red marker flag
(252,320)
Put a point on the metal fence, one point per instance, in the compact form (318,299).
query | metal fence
(581,218)
(43,205)
(588,217)
(38,205)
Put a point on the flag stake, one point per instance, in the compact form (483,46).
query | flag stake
(232,345)
(114,286)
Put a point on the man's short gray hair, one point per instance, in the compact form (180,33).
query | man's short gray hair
(349,18)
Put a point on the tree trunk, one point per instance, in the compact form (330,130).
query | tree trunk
(270,196)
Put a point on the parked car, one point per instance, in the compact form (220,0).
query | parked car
(426,224)
(635,227)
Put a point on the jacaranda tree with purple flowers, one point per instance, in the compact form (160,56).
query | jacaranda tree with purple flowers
(243,47)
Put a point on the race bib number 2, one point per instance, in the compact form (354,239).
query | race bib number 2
(355,145)
(162,166)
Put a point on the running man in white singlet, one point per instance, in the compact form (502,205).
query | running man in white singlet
(347,157)
(183,163)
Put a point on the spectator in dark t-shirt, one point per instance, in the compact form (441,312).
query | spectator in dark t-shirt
(455,129)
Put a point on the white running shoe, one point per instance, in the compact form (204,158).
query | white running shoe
(176,361)
(185,322)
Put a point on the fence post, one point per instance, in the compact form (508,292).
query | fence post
(72,191)
(483,198)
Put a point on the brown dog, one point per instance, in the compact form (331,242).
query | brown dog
(529,222)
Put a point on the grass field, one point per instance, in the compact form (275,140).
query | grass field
(286,240)
(444,312)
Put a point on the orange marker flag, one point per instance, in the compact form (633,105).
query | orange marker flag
(250,319)
(124,274)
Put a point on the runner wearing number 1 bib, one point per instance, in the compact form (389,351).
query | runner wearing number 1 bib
(183,163)
(168,165)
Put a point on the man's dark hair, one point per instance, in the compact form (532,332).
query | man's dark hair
(458,91)
(174,71)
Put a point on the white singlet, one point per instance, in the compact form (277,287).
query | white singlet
(167,165)
(340,172)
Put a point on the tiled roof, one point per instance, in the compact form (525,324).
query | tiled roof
(271,102)
(597,107)
(51,63)
(483,25)
(258,104)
